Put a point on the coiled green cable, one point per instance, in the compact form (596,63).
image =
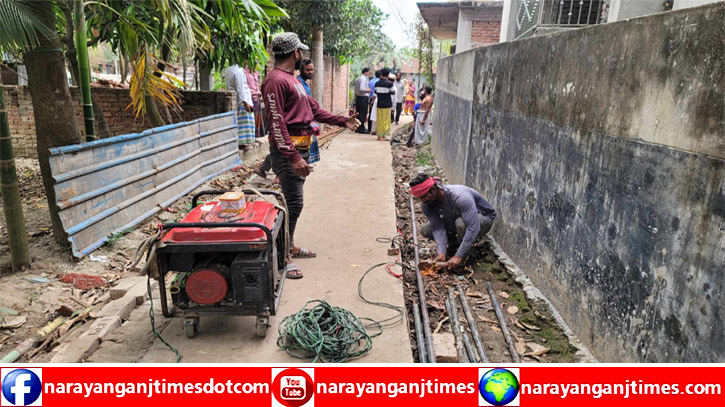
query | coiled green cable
(332,334)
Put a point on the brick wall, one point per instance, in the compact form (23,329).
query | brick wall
(485,33)
(335,98)
(113,102)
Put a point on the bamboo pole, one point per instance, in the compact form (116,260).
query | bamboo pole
(84,74)
(28,344)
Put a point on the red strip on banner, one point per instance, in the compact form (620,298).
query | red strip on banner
(352,385)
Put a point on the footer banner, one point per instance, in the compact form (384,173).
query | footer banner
(368,385)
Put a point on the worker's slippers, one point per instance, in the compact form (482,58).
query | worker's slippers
(304,254)
(293,272)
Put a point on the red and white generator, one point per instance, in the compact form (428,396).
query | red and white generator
(224,262)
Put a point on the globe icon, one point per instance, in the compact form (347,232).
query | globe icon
(498,387)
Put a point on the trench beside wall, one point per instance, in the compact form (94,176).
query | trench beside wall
(114,102)
(603,151)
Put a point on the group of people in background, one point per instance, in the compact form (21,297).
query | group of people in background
(381,97)
(284,108)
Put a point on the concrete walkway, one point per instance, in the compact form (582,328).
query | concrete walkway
(349,202)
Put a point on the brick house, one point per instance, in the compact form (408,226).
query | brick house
(471,23)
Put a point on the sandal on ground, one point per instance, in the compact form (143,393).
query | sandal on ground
(293,272)
(382,139)
(304,254)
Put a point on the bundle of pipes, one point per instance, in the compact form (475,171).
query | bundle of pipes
(464,346)
(426,353)
(463,339)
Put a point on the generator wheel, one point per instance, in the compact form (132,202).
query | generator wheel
(261,327)
(191,327)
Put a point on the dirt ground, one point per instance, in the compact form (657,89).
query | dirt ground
(538,337)
(31,298)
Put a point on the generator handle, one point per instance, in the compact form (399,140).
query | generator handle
(265,229)
(195,199)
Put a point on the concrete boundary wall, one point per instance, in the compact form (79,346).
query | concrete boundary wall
(603,151)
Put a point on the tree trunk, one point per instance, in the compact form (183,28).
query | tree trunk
(124,68)
(84,72)
(55,119)
(205,79)
(186,85)
(12,204)
(153,113)
(318,59)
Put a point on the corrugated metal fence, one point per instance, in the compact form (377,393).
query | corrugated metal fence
(108,185)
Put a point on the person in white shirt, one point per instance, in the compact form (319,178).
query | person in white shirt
(236,80)
(362,98)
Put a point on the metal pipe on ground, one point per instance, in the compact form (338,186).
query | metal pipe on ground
(471,324)
(502,324)
(422,351)
(430,357)
(456,329)
(469,348)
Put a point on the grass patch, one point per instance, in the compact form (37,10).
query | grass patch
(118,235)
(425,157)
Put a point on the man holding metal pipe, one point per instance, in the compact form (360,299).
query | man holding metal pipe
(458,216)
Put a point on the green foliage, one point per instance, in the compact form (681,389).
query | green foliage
(425,156)
(118,235)
(425,49)
(237,31)
(351,27)
(219,80)
(150,31)
(22,24)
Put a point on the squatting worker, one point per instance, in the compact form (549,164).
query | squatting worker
(458,216)
(290,112)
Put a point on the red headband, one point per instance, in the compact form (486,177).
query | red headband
(422,188)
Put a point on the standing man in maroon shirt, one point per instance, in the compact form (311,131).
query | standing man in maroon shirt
(290,112)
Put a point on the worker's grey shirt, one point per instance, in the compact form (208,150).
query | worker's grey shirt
(458,201)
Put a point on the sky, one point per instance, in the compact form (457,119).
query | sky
(393,26)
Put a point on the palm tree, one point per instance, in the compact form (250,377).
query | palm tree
(53,108)
(12,204)
(26,25)
(148,34)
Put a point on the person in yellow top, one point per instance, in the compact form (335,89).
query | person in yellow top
(409,97)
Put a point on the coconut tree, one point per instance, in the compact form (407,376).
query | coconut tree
(53,108)
(28,27)
(12,204)
(148,34)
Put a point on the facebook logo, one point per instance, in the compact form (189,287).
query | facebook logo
(22,387)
